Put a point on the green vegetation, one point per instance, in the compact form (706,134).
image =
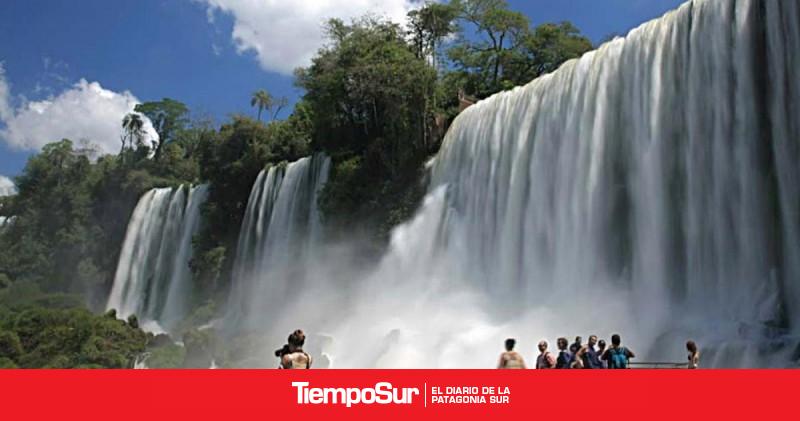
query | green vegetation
(378,99)
(368,93)
(40,330)
(499,49)
(168,117)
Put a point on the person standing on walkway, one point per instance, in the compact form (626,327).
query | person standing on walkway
(292,355)
(564,359)
(601,349)
(511,359)
(694,355)
(588,354)
(618,356)
(545,360)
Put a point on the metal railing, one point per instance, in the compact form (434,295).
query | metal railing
(658,365)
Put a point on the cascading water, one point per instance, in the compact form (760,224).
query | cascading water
(651,188)
(153,279)
(278,239)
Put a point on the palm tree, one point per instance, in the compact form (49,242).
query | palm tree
(276,106)
(264,101)
(133,126)
(261,100)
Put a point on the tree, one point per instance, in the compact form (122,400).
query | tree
(52,229)
(168,117)
(483,59)
(263,100)
(279,104)
(545,49)
(133,125)
(505,51)
(368,87)
(429,25)
(367,91)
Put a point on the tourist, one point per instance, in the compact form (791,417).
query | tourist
(694,355)
(588,355)
(618,356)
(564,359)
(545,360)
(576,346)
(573,349)
(601,349)
(511,359)
(292,355)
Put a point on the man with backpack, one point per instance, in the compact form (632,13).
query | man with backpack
(545,360)
(618,356)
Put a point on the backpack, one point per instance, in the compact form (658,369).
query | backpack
(541,361)
(619,357)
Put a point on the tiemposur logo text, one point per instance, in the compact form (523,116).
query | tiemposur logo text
(382,394)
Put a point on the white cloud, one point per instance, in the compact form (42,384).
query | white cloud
(285,35)
(7,187)
(84,112)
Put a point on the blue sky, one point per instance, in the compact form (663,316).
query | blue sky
(102,56)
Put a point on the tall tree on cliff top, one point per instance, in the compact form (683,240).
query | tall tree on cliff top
(503,51)
(498,34)
(545,49)
(367,92)
(429,26)
(168,117)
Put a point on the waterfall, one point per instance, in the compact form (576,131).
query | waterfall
(153,279)
(280,235)
(658,174)
(650,188)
